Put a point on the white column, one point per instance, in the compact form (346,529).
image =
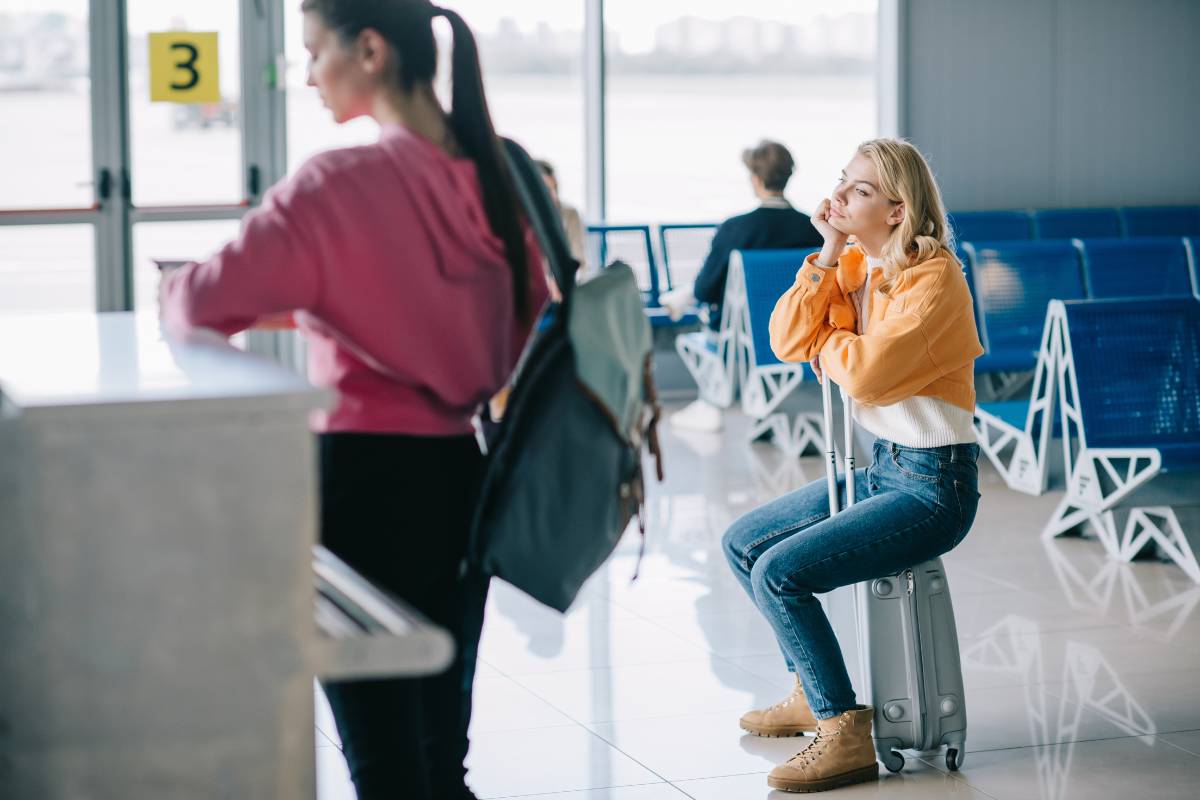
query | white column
(891,64)
(595,206)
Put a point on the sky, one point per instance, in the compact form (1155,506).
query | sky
(633,21)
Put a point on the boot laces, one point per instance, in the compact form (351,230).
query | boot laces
(787,701)
(816,748)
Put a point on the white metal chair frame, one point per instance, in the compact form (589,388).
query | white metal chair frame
(715,368)
(1017,455)
(1162,614)
(1100,479)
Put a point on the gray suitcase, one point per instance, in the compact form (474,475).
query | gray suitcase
(897,632)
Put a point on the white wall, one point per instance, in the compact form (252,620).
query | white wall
(1054,102)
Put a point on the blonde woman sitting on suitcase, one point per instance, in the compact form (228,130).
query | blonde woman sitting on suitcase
(889,319)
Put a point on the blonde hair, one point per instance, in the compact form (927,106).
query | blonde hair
(905,177)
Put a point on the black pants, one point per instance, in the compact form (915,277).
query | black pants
(398,509)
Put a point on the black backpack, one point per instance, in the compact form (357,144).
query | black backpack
(564,470)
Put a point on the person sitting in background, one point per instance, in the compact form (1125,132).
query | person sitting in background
(774,225)
(572,222)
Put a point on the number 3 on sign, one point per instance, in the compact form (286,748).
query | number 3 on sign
(183,67)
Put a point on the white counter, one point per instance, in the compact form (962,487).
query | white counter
(84,360)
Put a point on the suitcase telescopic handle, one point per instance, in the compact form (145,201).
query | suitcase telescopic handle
(858,591)
(831,459)
(831,465)
(848,424)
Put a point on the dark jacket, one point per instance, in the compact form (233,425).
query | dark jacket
(764,228)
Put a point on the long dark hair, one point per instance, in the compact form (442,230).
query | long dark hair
(408,26)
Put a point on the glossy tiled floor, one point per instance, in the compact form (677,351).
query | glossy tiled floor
(1083,675)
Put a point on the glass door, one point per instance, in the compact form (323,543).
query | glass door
(189,180)
(134,131)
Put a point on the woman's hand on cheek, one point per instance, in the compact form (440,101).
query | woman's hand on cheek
(820,221)
(835,240)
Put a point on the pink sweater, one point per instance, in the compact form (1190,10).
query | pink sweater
(400,286)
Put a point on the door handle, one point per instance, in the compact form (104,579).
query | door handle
(104,185)
(253,182)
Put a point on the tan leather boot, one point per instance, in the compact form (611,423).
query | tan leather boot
(842,753)
(789,717)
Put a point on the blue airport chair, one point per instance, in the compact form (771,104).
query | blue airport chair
(1076,223)
(965,258)
(658,317)
(1161,221)
(1151,266)
(1130,413)
(684,247)
(992,226)
(1192,243)
(631,244)
(765,380)
(1013,282)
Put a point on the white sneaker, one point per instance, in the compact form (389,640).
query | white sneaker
(698,416)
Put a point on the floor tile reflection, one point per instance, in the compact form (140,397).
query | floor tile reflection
(687,747)
(514,763)
(652,690)
(917,782)
(1141,767)
(1185,740)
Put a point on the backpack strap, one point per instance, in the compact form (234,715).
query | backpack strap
(543,217)
(651,393)
(653,445)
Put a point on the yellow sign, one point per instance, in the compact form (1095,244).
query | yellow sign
(183,67)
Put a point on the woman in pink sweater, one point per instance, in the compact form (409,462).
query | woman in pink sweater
(415,282)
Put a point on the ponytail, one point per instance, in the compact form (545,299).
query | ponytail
(472,126)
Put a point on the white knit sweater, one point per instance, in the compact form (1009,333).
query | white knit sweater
(915,421)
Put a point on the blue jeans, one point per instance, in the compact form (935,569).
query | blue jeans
(914,504)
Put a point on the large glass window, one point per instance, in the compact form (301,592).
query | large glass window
(532,56)
(173,241)
(691,83)
(45,104)
(47,268)
(46,157)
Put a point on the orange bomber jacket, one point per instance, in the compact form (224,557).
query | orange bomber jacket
(920,340)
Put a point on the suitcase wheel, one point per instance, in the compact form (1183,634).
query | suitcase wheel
(953,759)
(893,761)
